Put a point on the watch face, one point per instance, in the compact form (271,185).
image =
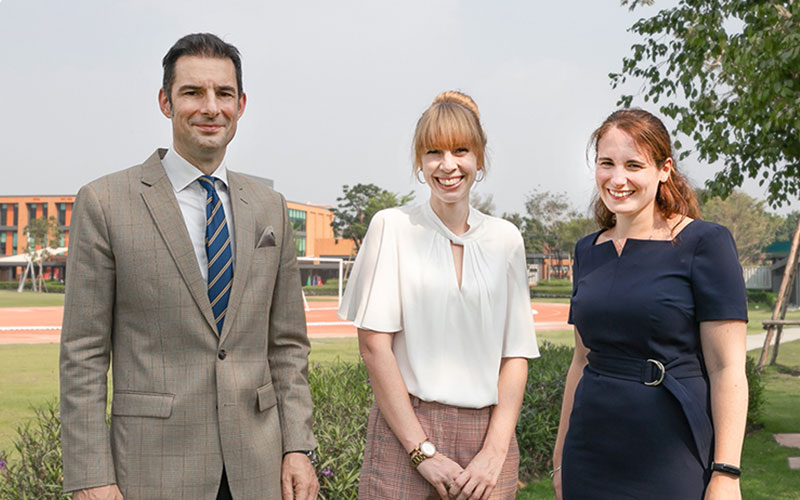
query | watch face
(427,448)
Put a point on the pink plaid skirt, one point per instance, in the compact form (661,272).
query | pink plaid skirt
(457,432)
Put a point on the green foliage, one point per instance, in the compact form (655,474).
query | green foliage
(327,290)
(52,286)
(752,227)
(550,225)
(541,409)
(342,399)
(357,205)
(763,297)
(43,232)
(787,226)
(735,65)
(552,288)
(37,473)
(755,384)
(481,203)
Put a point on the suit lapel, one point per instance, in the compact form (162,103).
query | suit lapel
(159,197)
(244,235)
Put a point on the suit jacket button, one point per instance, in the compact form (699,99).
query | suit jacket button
(222,354)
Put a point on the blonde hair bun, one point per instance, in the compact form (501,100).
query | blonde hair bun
(458,98)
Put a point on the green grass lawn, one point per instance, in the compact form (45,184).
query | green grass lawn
(10,298)
(758,314)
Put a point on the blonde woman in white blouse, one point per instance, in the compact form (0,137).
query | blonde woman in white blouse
(439,293)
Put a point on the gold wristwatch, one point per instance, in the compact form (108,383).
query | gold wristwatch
(425,450)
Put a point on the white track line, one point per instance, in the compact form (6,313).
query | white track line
(27,328)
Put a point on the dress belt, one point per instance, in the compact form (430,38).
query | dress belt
(652,372)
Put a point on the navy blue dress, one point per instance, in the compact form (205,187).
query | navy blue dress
(628,440)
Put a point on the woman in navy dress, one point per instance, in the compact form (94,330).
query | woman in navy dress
(656,396)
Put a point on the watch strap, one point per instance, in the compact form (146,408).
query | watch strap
(726,468)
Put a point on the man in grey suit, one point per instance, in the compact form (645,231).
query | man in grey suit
(184,274)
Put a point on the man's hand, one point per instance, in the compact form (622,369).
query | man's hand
(108,492)
(298,477)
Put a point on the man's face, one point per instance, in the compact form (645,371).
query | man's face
(205,107)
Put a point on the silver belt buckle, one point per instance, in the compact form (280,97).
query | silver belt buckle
(660,367)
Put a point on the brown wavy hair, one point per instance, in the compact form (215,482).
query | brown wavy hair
(675,196)
(452,121)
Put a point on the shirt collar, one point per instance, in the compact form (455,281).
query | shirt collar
(181,173)
(474,220)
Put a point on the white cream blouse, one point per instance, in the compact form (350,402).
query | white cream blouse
(449,340)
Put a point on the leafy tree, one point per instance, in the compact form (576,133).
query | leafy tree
(736,66)
(550,225)
(482,203)
(786,226)
(568,232)
(357,205)
(45,234)
(753,228)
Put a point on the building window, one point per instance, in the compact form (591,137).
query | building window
(3,240)
(4,214)
(14,242)
(16,214)
(62,214)
(31,211)
(300,244)
(298,220)
(62,242)
(44,210)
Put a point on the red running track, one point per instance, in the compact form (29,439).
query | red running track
(33,325)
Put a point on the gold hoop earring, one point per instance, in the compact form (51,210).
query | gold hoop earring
(416,173)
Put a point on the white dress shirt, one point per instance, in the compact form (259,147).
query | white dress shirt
(449,340)
(192,201)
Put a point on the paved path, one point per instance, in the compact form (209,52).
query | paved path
(790,441)
(756,341)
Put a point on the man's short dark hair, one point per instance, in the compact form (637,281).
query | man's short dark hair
(201,45)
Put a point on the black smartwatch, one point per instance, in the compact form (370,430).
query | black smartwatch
(726,468)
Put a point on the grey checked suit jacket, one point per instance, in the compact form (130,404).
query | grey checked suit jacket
(184,399)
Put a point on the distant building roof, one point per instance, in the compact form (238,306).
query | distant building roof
(779,248)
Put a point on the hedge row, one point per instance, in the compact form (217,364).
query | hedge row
(52,286)
(342,397)
(763,297)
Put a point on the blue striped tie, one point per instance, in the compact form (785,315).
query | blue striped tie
(218,251)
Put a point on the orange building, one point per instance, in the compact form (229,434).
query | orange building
(312,224)
(17,211)
(313,234)
(15,214)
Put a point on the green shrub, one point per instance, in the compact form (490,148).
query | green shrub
(755,384)
(327,289)
(342,399)
(552,288)
(37,472)
(52,286)
(764,297)
(541,410)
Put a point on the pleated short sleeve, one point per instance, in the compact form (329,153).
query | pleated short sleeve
(372,298)
(519,337)
(717,282)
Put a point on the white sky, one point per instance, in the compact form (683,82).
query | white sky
(334,88)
